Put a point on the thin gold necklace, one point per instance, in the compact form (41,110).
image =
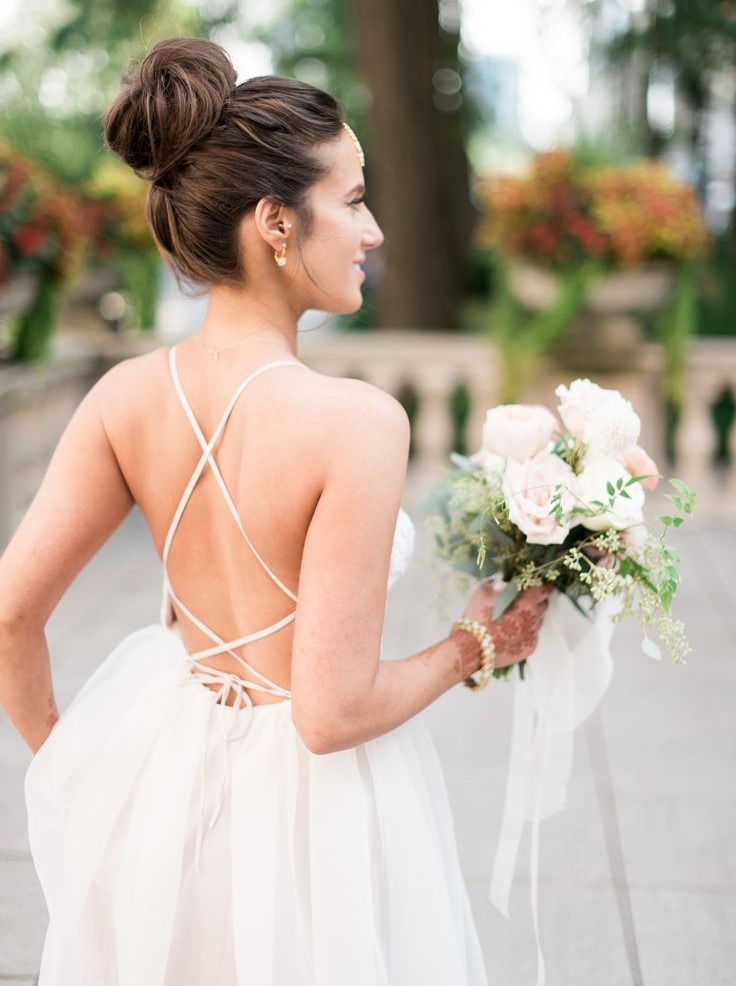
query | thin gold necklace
(216,352)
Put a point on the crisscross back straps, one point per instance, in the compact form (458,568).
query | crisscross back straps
(207,459)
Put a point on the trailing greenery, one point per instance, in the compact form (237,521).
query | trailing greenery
(675,329)
(32,330)
(524,336)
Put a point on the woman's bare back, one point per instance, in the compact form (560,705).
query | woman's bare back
(269,457)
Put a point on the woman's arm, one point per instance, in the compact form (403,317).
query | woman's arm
(82,500)
(342,693)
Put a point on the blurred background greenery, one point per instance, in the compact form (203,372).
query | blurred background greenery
(447,111)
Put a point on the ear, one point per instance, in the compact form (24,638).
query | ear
(272,222)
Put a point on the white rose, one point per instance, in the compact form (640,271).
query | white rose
(529,487)
(489,462)
(601,418)
(598,471)
(518,431)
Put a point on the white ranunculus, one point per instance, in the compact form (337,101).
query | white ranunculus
(529,487)
(518,431)
(601,418)
(598,471)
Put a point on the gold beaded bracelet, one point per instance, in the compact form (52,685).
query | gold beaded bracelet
(487,651)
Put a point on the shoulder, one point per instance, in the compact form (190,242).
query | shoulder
(130,389)
(344,406)
(359,433)
(124,379)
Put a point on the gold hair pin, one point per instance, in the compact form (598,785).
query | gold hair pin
(358,148)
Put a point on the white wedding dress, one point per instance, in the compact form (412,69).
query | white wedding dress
(181,841)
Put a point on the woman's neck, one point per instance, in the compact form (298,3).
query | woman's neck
(234,316)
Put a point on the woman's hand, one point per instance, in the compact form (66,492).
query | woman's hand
(514,633)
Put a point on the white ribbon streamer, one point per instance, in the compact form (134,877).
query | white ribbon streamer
(566,678)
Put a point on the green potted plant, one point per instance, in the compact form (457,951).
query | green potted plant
(579,250)
(44,227)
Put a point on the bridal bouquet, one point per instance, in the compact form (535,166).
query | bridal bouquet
(561,500)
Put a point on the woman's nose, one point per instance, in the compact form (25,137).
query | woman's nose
(372,235)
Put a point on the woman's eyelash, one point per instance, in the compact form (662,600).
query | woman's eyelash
(358,201)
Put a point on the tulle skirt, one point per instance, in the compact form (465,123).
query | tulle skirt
(181,842)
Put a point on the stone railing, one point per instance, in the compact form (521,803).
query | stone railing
(428,367)
(35,405)
(711,373)
(432,365)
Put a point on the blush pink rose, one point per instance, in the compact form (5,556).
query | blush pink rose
(640,463)
(529,487)
(518,431)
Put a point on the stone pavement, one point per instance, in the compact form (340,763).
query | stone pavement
(638,873)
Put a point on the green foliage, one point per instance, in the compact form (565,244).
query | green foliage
(696,39)
(85,51)
(32,330)
(66,147)
(697,36)
(716,302)
(676,327)
(139,274)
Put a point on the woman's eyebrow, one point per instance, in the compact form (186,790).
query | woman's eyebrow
(356,189)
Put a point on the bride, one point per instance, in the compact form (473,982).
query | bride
(240,795)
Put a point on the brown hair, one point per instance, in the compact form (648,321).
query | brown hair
(212,150)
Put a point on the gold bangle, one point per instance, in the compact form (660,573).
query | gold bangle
(487,651)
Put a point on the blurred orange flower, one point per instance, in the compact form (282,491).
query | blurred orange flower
(563,214)
(43,223)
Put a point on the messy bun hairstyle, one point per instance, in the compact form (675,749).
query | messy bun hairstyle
(212,149)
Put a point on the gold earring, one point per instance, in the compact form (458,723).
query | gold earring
(280,256)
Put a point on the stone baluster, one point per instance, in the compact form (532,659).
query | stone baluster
(433,426)
(729,497)
(695,440)
(482,395)
(385,375)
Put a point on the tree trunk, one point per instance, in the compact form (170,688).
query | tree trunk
(419,171)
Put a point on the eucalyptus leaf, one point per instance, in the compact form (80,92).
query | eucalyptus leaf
(434,500)
(470,567)
(463,462)
(574,600)
(651,649)
(475,525)
(504,599)
(497,535)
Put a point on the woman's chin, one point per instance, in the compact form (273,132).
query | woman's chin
(348,306)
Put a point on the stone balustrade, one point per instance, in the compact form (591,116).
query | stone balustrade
(711,372)
(429,367)
(36,403)
(433,365)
